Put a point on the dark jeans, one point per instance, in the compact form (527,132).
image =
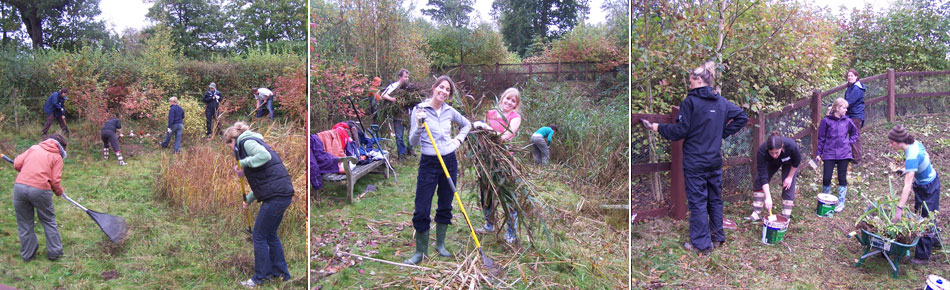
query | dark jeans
(209,120)
(268,252)
(929,194)
(49,122)
(432,179)
(704,193)
(399,129)
(176,129)
(787,194)
(270,109)
(109,140)
(830,165)
(856,146)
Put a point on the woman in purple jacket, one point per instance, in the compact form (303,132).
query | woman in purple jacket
(836,133)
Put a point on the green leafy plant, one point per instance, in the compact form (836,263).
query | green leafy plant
(879,219)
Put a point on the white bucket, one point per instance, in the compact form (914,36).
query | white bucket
(935,282)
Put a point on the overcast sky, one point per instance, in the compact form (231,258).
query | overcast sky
(122,14)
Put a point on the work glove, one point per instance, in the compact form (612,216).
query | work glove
(169,129)
(458,142)
(420,114)
(238,171)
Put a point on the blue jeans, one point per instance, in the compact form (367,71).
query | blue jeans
(704,193)
(399,129)
(268,252)
(926,194)
(270,109)
(176,129)
(432,179)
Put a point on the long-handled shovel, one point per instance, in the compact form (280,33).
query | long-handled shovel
(489,264)
(113,226)
(247,212)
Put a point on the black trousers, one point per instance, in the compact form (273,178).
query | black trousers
(842,172)
(926,194)
(49,122)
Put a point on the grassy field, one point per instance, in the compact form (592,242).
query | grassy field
(167,246)
(817,253)
(587,250)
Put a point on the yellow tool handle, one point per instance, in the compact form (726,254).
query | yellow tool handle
(247,213)
(449,177)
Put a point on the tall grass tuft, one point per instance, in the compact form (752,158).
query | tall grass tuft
(200,179)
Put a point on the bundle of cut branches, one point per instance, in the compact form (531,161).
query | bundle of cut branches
(405,100)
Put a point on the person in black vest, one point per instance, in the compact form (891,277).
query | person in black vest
(109,138)
(211,99)
(271,185)
(775,153)
(705,118)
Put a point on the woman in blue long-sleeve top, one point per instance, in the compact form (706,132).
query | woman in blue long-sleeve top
(704,119)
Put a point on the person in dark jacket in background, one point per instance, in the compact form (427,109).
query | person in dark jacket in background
(271,185)
(176,124)
(704,119)
(211,99)
(109,138)
(855,97)
(55,108)
(836,134)
(775,153)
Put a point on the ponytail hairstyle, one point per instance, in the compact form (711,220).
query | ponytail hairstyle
(232,133)
(839,102)
(775,141)
(706,72)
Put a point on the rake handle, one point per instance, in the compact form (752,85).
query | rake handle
(74,202)
(6,158)
(247,212)
(452,186)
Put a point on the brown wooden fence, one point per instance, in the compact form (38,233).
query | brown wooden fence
(806,130)
(555,71)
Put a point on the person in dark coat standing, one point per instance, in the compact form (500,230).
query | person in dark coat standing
(836,133)
(855,97)
(55,108)
(109,138)
(211,99)
(270,185)
(775,153)
(176,124)
(704,119)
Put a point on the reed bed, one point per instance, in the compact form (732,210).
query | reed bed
(201,180)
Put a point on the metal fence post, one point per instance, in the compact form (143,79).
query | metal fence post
(677,179)
(890,95)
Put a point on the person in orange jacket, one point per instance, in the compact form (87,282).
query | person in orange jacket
(41,174)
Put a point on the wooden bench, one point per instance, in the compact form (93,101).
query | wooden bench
(351,175)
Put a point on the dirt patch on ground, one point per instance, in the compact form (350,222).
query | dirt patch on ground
(109,275)
(130,150)
(110,248)
(240,263)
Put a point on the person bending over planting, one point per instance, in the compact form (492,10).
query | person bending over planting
(705,118)
(55,108)
(109,138)
(439,117)
(265,100)
(775,153)
(271,185)
(541,144)
(836,133)
(505,122)
(921,178)
(41,174)
(176,124)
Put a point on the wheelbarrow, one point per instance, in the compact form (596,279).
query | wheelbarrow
(890,249)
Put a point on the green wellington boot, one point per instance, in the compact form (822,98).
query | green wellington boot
(440,240)
(422,248)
